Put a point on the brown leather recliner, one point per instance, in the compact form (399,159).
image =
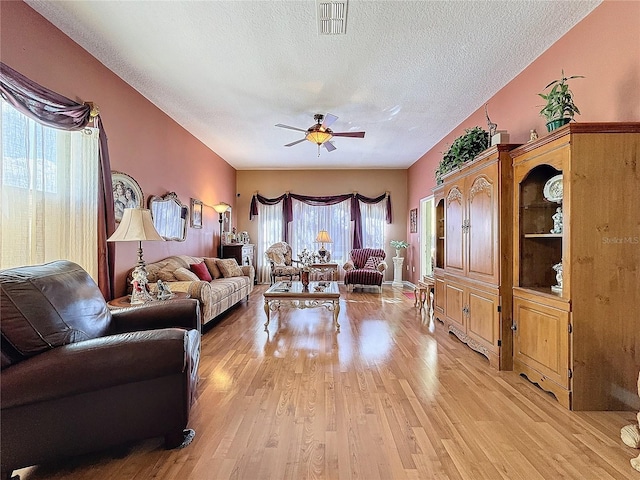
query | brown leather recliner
(78,378)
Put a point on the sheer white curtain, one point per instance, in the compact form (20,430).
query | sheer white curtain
(308,220)
(48,193)
(373,224)
(270,228)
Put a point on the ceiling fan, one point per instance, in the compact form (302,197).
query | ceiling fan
(320,133)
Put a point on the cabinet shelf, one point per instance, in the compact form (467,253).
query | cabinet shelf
(542,235)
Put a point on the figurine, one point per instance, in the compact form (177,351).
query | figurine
(557,288)
(533,135)
(163,291)
(139,293)
(557,221)
(493,127)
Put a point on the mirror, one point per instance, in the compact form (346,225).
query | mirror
(169,216)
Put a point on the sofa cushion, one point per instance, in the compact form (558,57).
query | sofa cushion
(213,268)
(184,275)
(229,267)
(201,270)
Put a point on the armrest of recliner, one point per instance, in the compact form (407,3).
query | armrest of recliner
(184,313)
(96,364)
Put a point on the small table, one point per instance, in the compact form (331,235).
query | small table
(323,268)
(422,291)
(292,294)
(122,302)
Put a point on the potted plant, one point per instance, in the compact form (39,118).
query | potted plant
(463,149)
(398,245)
(559,109)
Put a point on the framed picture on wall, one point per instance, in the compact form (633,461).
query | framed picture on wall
(196,213)
(413,220)
(126,194)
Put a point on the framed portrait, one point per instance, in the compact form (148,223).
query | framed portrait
(413,220)
(196,213)
(126,193)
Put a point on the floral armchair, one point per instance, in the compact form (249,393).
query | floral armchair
(281,262)
(365,267)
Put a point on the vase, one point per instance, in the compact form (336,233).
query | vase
(398,252)
(553,124)
(304,278)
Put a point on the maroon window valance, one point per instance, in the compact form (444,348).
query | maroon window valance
(287,208)
(54,110)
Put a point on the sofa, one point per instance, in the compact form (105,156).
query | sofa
(366,267)
(78,378)
(227,284)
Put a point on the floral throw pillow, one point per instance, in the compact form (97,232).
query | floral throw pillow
(372,263)
(229,267)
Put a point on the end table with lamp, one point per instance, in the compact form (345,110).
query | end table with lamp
(137,225)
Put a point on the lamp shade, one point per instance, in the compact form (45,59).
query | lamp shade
(323,237)
(136,225)
(221,207)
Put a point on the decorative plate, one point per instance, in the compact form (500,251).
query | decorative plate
(552,190)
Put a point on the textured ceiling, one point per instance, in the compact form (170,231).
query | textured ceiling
(406,72)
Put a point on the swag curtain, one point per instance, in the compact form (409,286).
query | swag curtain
(57,111)
(356,217)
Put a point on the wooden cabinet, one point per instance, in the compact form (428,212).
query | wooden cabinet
(242,252)
(579,341)
(476,261)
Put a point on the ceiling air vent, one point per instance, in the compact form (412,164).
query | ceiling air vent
(332,17)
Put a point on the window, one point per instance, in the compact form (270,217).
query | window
(308,220)
(373,224)
(270,228)
(48,193)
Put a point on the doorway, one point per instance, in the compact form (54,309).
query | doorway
(427,236)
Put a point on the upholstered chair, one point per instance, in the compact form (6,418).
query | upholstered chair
(281,262)
(366,267)
(77,377)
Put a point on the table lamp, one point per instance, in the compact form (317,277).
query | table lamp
(136,225)
(221,208)
(322,238)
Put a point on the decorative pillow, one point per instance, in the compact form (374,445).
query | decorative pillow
(201,270)
(167,274)
(382,266)
(348,266)
(372,263)
(213,267)
(229,267)
(184,275)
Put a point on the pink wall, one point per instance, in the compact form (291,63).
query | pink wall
(143,141)
(604,47)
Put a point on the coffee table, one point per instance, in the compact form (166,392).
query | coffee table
(292,294)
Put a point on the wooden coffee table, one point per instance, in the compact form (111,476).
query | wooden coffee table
(292,294)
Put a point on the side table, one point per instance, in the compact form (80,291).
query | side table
(321,269)
(123,302)
(422,293)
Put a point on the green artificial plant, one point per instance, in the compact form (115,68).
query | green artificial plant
(463,149)
(559,107)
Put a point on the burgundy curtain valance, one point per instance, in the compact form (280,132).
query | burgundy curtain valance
(56,111)
(356,198)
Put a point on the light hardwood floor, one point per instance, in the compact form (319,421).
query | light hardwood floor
(391,396)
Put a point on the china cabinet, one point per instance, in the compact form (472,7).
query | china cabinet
(576,258)
(473,288)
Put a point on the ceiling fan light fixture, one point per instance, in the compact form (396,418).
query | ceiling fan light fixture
(319,136)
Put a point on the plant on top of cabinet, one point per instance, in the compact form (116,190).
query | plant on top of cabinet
(559,109)
(463,149)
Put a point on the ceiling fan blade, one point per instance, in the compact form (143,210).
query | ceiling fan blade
(290,128)
(329,146)
(295,143)
(349,134)
(328,120)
